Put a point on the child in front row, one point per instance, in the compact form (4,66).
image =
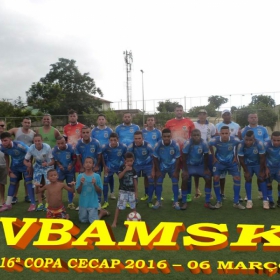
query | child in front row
(55,209)
(128,187)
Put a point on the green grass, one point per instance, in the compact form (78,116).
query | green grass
(195,213)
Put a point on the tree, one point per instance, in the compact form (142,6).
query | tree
(216,101)
(64,88)
(167,106)
(265,100)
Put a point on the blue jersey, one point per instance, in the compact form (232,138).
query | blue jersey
(64,157)
(251,154)
(102,135)
(151,136)
(17,153)
(195,152)
(167,155)
(225,151)
(233,127)
(91,149)
(272,155)
(126,133)
(143,155)
(114,157)
(260,132)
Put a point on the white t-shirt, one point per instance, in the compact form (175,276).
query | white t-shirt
(208,130)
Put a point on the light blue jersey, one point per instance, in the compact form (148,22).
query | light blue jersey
(88,196)
(151,136)
(126,133)
(102,135)
(64,157)
(167,155)
(272,155)
(225,151)
(40,156)
(251,154)
(233,127)
(143,155)
(195,152)
(260,132)
(114,157)
(91,149)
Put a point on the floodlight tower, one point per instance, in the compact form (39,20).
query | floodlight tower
(128,61)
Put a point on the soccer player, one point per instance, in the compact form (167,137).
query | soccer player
(113,157)
(225,160)
(88,147)
(272,166)
(64,157)
(207,130)
(17,151)
(251,154)
(43,162)
(166,160)
(235,131)
(48,132)
(143,161)
(128,186)
(180,131)
(24,134)
(195,163)
(126,130)
(3,168)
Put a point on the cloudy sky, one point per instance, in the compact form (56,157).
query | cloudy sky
(188,49)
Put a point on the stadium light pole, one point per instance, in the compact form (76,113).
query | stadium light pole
(143,97)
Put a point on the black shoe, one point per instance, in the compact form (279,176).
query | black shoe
(272,205)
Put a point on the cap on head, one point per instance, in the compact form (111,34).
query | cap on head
(202,111)
(226,111)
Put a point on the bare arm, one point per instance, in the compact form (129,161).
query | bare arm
(56,133)
(70,189)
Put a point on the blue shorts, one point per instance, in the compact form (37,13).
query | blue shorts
(144,170)
(88,214)
(124,198)
(274,175)
(66,175)
(232,169)
(197,170)
(21,172)
(254,170)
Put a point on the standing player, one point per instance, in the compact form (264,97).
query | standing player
(225,160)
(166,160)
(17,151)
(272,166)
(207,130)
(235,131)
(112,157)
(195,163)
(24,134)
(3,168)
(152,135)
(251,154)
(143,161)
(64,157)
(43,162)
(48,132)
(126,130)
(180,131)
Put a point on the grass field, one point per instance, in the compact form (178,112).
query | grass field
(195,213)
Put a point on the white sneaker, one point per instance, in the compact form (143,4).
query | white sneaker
(249,204)
(238,206)
(112,196)
(265,205)
(218,205)
(245,198)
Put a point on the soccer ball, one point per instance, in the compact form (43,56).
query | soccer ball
(134,216)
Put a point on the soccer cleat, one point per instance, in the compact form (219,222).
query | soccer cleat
(105,205)
(150,205)
(218,205)
(31,208)
(145,197)
(157,205)
(184,206)
(77,209)
(71,206)
(155,197)
(176,206)
(40,207)
(223,196)
(5,207)
(271,205)
(245,198)
(189,197)
(112,196)
(209,205)
(46,206)
(27,199)
(266,205)
(249,204)
(238,206)
(260,196)
(15,200)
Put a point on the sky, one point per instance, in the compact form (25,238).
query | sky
(188,50)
